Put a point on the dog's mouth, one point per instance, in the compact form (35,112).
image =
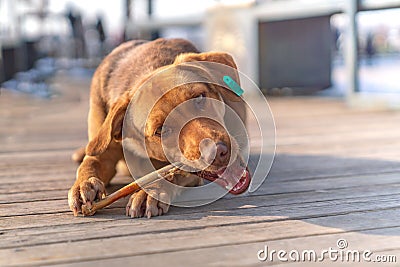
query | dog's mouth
(235,178)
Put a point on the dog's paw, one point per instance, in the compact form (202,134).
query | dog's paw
(85,193)
(141,204)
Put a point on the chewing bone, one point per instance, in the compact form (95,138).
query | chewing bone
(166,172)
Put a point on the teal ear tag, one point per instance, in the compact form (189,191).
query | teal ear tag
(233,85)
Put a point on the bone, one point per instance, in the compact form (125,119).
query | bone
(166,172)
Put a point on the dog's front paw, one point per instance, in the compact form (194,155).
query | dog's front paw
(85,193)
(141,204)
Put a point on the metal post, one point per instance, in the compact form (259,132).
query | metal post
(128,19)
(128,4)
(154,33)
(352,48)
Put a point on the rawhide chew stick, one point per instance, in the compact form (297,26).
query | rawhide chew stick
(164,173)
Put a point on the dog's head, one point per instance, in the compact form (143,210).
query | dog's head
(187,124)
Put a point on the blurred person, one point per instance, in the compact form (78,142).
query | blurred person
(75,20)
(102,35)
(369,47)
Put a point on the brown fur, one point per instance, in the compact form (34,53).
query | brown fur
(113,85)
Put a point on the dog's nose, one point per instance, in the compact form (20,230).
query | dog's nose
(214,153)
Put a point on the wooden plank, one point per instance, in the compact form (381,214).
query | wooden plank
(301,166)
(64,218)
(327,183)
(29,197)
(316,166)
(35,186)
(332,139)
(293,234)
(235,214)
(37,146)
(42,179)
(33,156)
(231,256)
(50,194)
(277,188)
(41,173)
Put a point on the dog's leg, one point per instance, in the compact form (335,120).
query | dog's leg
(93,174)
(155,201)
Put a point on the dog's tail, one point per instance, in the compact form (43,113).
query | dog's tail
(78,155)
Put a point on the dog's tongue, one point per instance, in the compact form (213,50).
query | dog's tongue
(234,178)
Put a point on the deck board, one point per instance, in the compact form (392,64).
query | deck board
(335,175)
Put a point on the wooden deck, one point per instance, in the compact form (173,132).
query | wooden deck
(336,175)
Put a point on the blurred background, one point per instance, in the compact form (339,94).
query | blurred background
(337,48)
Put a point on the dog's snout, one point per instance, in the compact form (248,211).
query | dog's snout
(205,140)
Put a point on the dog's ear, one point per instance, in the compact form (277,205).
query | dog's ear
(217,57)
(110,130)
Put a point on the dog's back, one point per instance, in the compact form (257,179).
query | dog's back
(129,63)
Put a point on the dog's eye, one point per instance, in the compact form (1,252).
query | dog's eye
(162,130)
(158,131)
(200,100)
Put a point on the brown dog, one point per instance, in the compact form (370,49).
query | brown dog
(114,84)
